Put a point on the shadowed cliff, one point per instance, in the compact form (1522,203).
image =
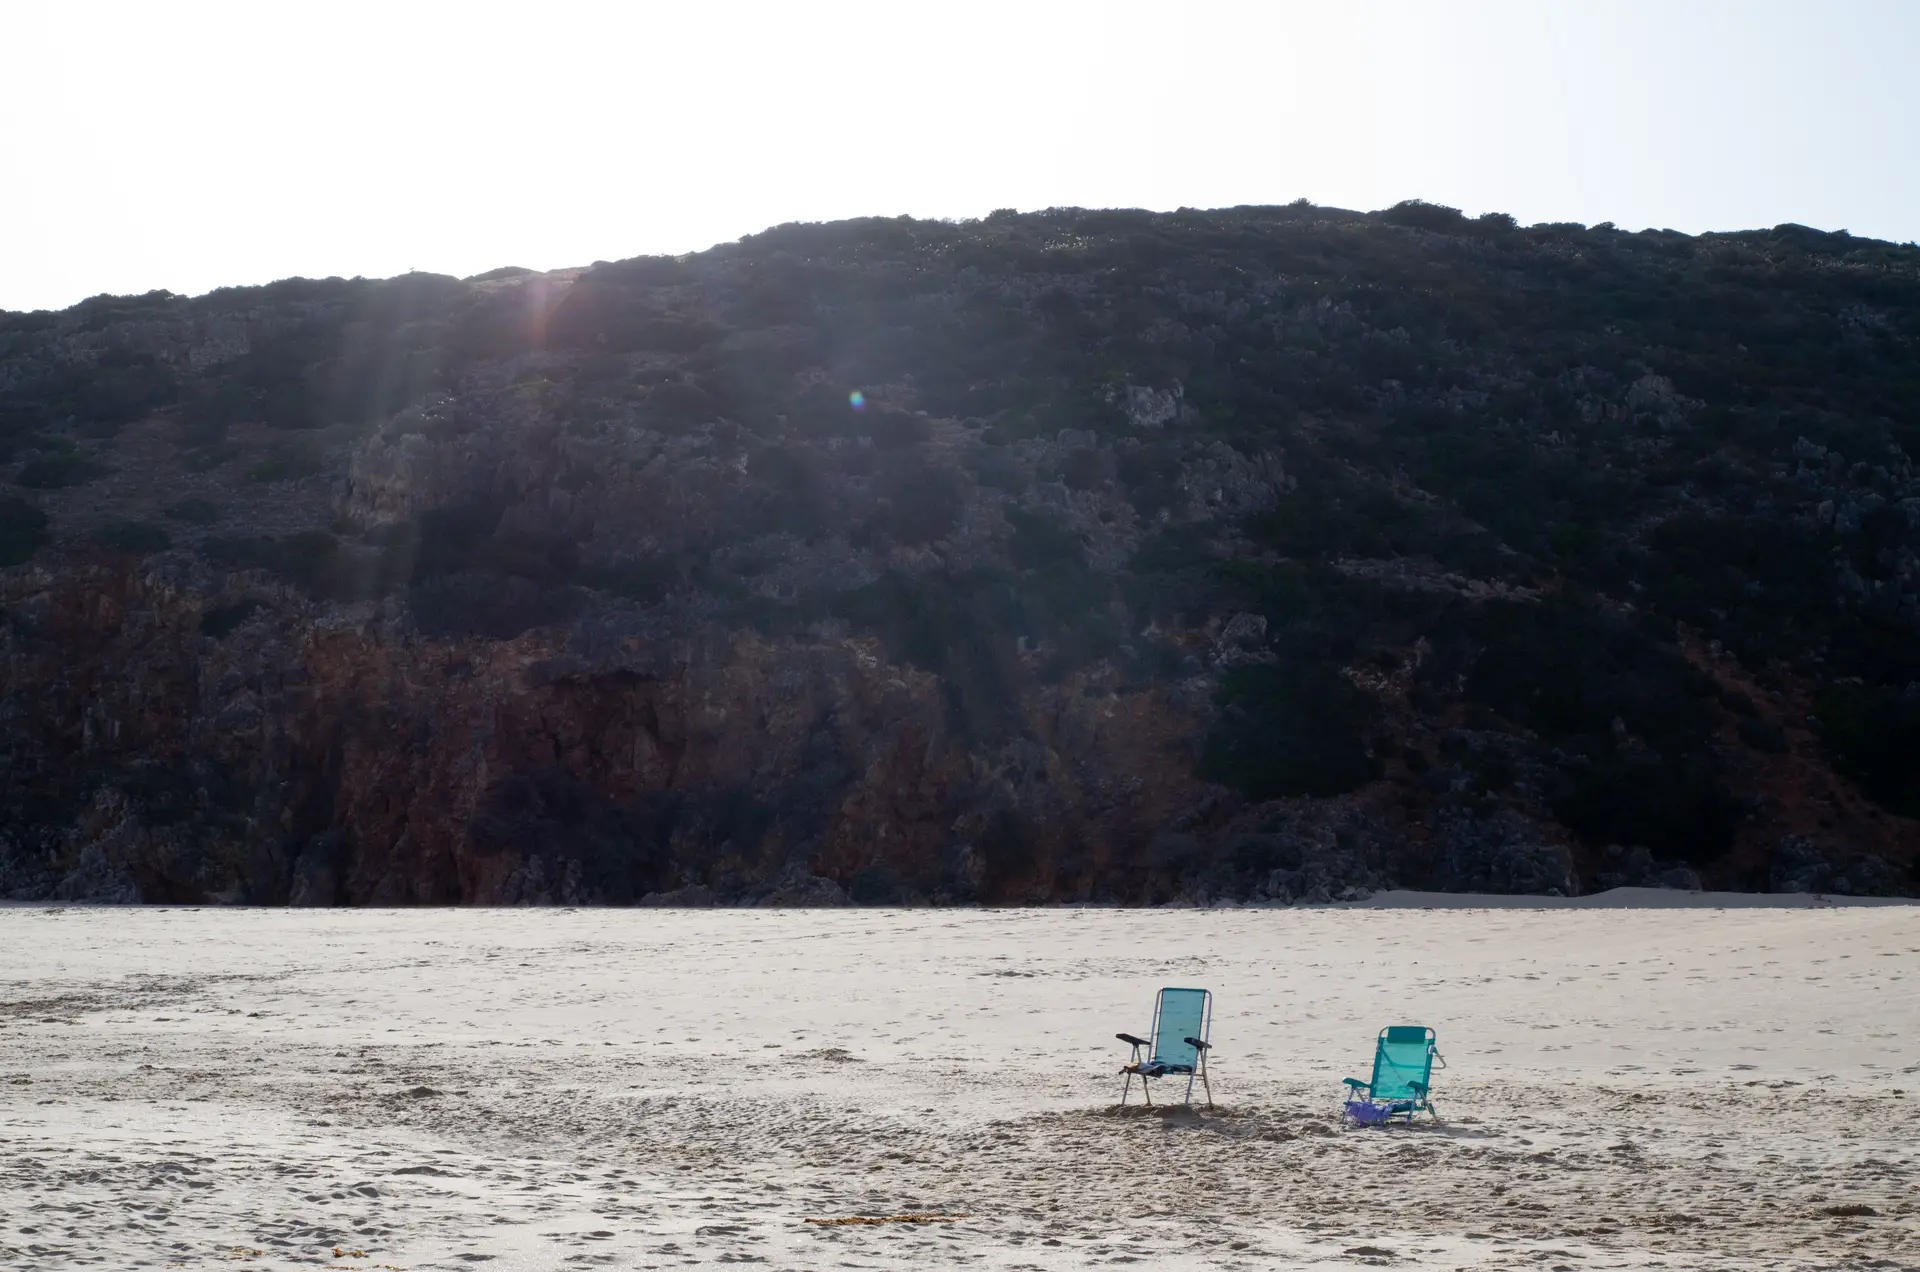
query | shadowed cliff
(1271,553)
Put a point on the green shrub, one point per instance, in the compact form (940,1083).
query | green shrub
(471,603)
(52,472)
(1873,735)
(798,499)
(1289,729)
(286,463)
(1151,473)
(1420,214)
(13,442)
(118,390)
(895,430)
(823,410)
(1086,468)
(196,511)
(209,410)
(136,538)
(1763,735)
(310,558)
(877,884)
(1678,807)
(919,505)
(208,458)
(609,315)
(678,406)
(1041,541)
(1565,669)
(645,580)
(224,619)
(292,404)
(23,528)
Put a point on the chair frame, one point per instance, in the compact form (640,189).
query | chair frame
(1151,1068)
(1423,1097)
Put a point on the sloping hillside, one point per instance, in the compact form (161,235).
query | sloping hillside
(1109,556)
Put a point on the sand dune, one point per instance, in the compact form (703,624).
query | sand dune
(1627,1088)
(1625,899)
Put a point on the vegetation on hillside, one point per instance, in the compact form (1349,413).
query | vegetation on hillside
(1482,493)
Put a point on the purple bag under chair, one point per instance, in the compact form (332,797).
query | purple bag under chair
(1368,1113)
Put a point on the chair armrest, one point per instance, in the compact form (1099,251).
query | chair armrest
(1357,1084)
(1419,1089)
(1133,1041)
(1198,1045)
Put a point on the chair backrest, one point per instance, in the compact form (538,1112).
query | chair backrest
(1179,1014)
(1403,1057)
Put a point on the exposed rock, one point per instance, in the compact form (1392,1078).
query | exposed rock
(1151,408)
(316,871)
(799,889)
(1501,853)
(697,896)
(1242,640)
(1801,865)
(1635,867)
(1654,395)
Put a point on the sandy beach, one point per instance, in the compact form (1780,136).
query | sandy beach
(1632,1087)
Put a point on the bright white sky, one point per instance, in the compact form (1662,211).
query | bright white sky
(192,145)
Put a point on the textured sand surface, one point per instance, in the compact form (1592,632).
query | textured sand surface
(540,1089)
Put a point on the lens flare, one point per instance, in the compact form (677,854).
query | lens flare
(857,400)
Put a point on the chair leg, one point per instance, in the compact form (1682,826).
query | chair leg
(1207,1087)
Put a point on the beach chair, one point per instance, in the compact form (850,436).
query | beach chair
(1182,1019)
(1403,1062)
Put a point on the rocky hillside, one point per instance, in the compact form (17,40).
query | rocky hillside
(1272,553)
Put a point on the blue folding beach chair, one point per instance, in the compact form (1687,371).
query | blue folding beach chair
(1403,1061)
(1182,1019)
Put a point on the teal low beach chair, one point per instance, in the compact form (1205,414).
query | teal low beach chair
(1403,1061)
(1182,1019)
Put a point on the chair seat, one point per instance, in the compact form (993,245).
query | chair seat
(1155,1069)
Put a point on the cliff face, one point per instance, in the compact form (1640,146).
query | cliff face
(1077,556)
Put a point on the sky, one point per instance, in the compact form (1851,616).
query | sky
(191,145)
